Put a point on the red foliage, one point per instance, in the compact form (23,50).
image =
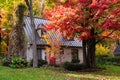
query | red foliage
(109,24)
(74,17)
(116,11)
(1,32)
(52,60)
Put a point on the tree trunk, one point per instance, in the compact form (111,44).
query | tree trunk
(92,49)
(91,54)
(16,39)
(35,56)
(89,51)
(88,59)
(84,52)
(21,41)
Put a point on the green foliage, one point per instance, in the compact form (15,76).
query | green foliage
(73,66)
(40,63)
(50,3)
(6,62)
(101,66)
(7,10)
(102,50)
(15,63)
(20,12)
(8,7)
(36,8)
(75,61)
(108,60)
(18,63)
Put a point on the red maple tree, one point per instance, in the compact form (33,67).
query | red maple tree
(86,20)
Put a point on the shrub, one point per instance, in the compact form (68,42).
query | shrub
(6,62)
(102,50)
(18,63)
(40,63)
(101,66)
(73,66)
(75,61)
(108,60)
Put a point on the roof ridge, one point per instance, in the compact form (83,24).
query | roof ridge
(35,17)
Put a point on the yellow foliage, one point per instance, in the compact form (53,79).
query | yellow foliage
(50,3)
(3,47)
(102,50)
(2,17)
(53,39)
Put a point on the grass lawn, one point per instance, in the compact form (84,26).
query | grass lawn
(51,73)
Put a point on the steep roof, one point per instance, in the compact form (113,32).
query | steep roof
(117,50)
(41,21)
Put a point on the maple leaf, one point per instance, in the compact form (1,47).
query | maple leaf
(80,18)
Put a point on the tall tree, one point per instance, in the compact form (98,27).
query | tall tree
(7,9)
(35,57)
(86,20)
(16,40)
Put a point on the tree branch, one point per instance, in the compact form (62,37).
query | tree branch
(104,37)
(27,3)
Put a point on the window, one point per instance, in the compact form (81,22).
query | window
(45,56)
(75,58)
(39,51)
(61,51)
(40,32)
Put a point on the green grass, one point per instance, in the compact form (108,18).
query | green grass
(111,73)
(29,74)
(51,73)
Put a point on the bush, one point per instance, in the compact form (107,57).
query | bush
(73,66)
(40,63)
(102,50)
(101,66)
(108,60)
(6,62)
(15,63)
(18,63)
(75,61)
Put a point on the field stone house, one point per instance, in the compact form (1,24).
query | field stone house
(71,48)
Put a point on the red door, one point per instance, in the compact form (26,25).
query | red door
(52,60)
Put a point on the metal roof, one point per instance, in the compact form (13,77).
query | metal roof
(41,21)
(117,50)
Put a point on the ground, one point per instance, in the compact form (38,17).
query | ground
(52,73)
